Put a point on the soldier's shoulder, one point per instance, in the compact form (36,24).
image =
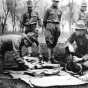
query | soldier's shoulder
(25,14)
(73,34)
(86,14)
(60,9)
(49,9)
(35,13)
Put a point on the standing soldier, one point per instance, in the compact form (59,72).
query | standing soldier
(30,20)
(82,14)
(51,23)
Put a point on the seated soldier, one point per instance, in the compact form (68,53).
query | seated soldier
(14,42)
(80,55)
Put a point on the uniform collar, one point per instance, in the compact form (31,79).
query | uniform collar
(55,7)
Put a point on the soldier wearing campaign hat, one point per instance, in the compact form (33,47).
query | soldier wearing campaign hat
(81,51)
(79,36)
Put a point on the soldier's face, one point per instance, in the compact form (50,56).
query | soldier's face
(29,9)
(84,8)
(80,32)
(55,3)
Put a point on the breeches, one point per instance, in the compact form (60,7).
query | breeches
(52,34)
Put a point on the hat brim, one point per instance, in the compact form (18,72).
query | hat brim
(79,28)
(29,5)
(56,0)
(83,6)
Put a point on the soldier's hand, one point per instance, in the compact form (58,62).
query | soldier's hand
(27,23)
(20,60)
(37,43)
(85,57)
(77,59)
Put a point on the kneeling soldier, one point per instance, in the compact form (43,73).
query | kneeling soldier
(80,38)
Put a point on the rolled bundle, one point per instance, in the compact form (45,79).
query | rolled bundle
(73,68)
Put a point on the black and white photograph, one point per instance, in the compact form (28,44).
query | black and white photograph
(43,43)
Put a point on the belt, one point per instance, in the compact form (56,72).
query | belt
(53,22)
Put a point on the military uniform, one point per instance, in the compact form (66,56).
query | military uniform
(52,24)
(83,15)
(79,59)
(82,44)
(30,21)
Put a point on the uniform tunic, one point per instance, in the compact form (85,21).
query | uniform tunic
(52,24)
(82,44)
(81,52)
(29,21)
(83,16)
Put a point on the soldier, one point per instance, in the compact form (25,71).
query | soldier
(30,20)
(82,14)
(51,23)
(14,42)
(80,53)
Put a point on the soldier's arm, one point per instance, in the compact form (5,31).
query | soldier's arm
(85,57)
(59,16)
(72,38)
(69,42)
(21,22)
(46,17)
(24,20)
(39,20)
